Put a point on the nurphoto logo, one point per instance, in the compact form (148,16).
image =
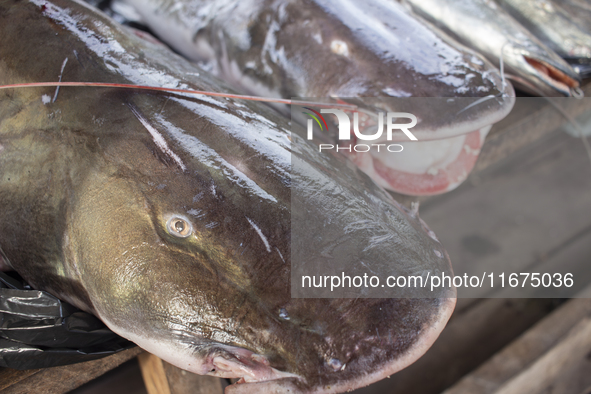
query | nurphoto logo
(344,126)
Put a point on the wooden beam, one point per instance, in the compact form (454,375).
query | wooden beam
(153,374)
(530,119)
(62,379)
(469,339)
(183,382)
(548,345)
(568,353)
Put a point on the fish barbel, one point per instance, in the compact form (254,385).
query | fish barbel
(486,27)
(344,49)
(168,216)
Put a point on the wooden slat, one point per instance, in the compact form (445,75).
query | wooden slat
(544,343)
(153,373)
(568,353)
(526,211)
(183,382)
(470,338)
(61,379)
(9,376)
(161,377)
(530,119)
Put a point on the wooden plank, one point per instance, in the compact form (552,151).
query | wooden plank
(183,382)
(161,377)
(125,379)
(153,373)
(528,209)
(66,378)
(470,338)
(568,353)
(9,376)
(530,119)
(524,351)
(520,213)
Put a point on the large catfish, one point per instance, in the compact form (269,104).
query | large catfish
(168,216)
(344,48)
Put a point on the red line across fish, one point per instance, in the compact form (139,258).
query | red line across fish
(343,49)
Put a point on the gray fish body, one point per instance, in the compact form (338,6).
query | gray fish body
(345,49)
(578,10)
(168,216)
(485,27)
(553,25)
(317,48)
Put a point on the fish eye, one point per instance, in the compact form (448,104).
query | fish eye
(179,227)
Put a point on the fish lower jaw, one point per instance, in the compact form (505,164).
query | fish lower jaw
(248,367)
(242,364)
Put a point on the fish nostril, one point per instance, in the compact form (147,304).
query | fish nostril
(335,364)
(283,314)
(339,47)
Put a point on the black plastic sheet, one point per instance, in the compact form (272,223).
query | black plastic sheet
(37,330)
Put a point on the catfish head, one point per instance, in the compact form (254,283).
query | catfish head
(188,253)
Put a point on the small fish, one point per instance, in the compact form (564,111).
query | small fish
(168,216)
(342,49)
(486,27)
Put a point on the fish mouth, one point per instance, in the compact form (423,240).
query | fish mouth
(256,373)
(208,358)
(551,78)
(425,167)
(558,76)
(235,362)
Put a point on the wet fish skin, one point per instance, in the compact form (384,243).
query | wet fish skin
(485,27)
(578,10)
(90,179)
(553,25)
(291,48)
(345,49)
